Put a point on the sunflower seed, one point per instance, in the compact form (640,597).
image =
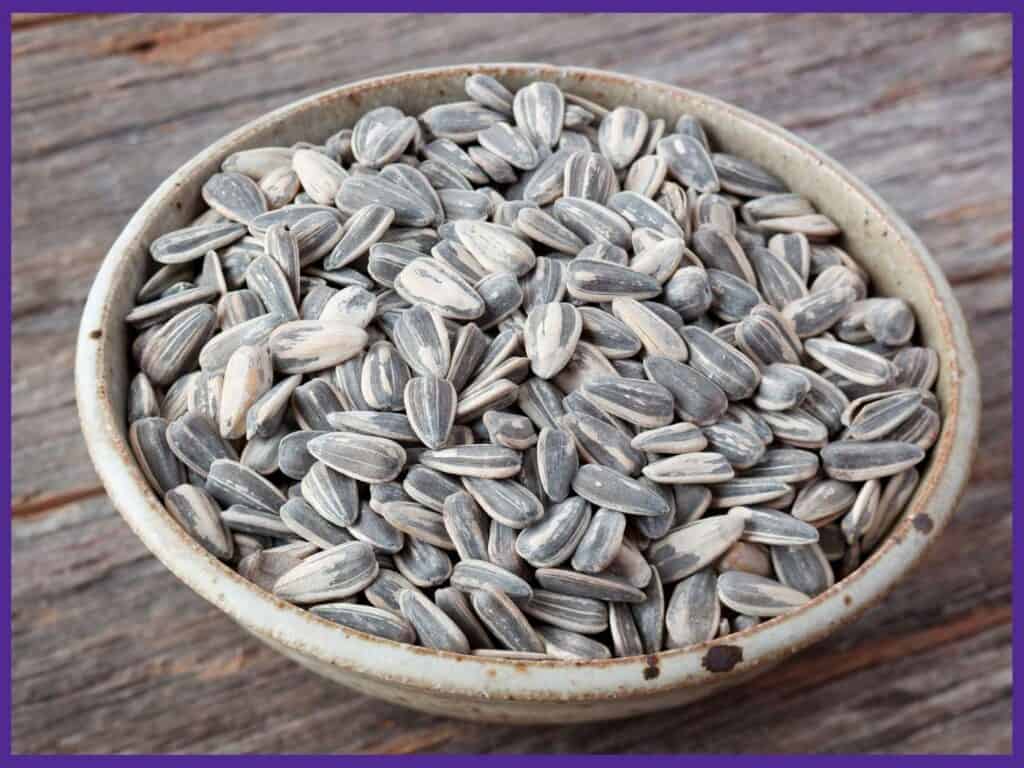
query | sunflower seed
(747,491)
(862,514)
(854,461)
(368,619)
(643,403)
(242,519)
(819,310)
(797,428)
(378,532)
(369,459)
(423,564)
(879,418)
(895,496)
(506,501)
(196,511)
(600,542)
(510,144)
(417,522)
(681,437)
(595,587)
(689,162)
(302,346)
(192,243)
(609,334)
(194,440)
(726,366)
(643,214)
(822,501)
(916,367)
(422,340)
(333,574)
(293,458)
(604,487)
(174,348)
(510,430)
(539,110)
(756,595)
(854,363)
(698,398)
(646,175)
(572,613)
(564,644)
(551,541)
(305,522)
(466,525)
(744,177)
(434,628)
(765,526)
(693,612)
(319,175)
(781,388)
(427,281)
(505,621)
(384,377)
(332,494)
(470,575)
(470,346)
(588,176)
(458,608)
(658,338)
(232,483)
(591,221)
(692,547)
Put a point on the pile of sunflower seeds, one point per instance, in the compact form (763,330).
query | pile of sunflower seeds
(525,376)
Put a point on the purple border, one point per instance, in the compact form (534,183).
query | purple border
(381,6)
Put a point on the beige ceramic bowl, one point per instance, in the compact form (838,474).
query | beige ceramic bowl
(548,691)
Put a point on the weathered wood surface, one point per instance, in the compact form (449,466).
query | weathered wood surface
(113,654)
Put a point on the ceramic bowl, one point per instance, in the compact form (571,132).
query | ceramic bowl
(544,691)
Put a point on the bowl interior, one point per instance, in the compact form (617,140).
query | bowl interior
(896,260)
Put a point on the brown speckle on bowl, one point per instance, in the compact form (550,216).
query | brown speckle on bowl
(923,523)
(651,670)
(722,658)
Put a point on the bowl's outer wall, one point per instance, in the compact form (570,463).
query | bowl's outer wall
(489,689)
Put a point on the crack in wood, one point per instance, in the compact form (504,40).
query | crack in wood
(36,504)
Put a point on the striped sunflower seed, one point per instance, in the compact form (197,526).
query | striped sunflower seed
(505,621)
(766,526)
(854,461)
(551,541)
(369,459)
(694,546)
(434,628)
(756,595)
(430,405)
(332,494)
(306,523)
(564,644)
(550,337)
(423,564)
(368,619)
(373,529)
(506,501)
(333,574)
(196,511)
(443,290)
(693,612)
(193,439)
(596,587)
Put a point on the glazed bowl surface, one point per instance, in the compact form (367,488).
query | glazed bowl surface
(534,691)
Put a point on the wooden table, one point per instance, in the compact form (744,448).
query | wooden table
(113,654)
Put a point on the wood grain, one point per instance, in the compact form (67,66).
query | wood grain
(112,654)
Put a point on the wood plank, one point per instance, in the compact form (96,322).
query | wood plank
(105,107)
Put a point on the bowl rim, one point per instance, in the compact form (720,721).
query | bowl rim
(446,674)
